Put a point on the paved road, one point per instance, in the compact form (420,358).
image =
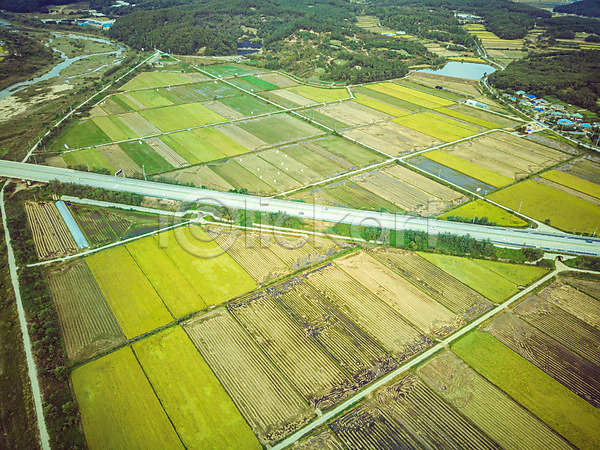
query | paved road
(31,367)
(560,242)
(413,362)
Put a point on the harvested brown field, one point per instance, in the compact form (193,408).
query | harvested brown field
(569,369)
(247,376)
(86,321)
(489,408)
(323,439)
(50,234)
(436,283)
(410,302)
(138,124)
(433,421)
(223,110)
(368,427)
(391,138)
(561,326)
(504,122)
(583,168)
(454,84)
(293,97)
(409,190)
(573,301)
(341,339)
(352,114)
(363,307)
(552,143)
(277,79)
(118,159)
(294,353)
(169,155)
(242,137)
(588,286)
(56,161)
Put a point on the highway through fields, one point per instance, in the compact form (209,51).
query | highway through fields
(551,241)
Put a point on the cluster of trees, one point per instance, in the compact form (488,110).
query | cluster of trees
(572,77)
(76,190)
(565,27)
(23,6)
(589,8)
(478,220)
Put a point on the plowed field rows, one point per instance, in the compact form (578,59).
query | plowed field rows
(296,355)
(323,439)
(366,310)
(590,287)
(574,302)
(410,302)
(577,374)
(93,224)
(50,234)
(87,323)
(490,409)
(561,326)
(247,376)
(436,283)
(338,336)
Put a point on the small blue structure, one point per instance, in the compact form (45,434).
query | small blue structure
(586,125)
(564,122)
(538,109)
(519,92)
(529,96)
(512,98)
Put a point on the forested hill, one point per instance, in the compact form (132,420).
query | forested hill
(590,8)
(571,77)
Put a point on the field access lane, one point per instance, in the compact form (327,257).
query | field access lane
(559,242)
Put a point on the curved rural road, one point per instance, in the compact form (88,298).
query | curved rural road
(556,242)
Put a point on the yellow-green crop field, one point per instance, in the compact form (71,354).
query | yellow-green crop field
(573,182)
(410,95)
(199,408)
(178,117)
(561,409)
(132,299)
(118,407)
(468,168)
(480,208)
(543,202)
(320,94)
(468,118)
(436,126)
(381,106)
(494,280)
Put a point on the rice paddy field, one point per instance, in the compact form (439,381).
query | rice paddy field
(479,209)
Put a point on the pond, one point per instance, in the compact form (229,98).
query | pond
(456,69)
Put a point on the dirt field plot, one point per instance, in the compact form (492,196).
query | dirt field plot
(392,138)
(412,403)
(588,286)
(436,126)
(132,298)
(485,116)
(295,354)
(553,403)
(323,439)
(86,321)
(320,94)
(322,119)
(410,95)
(577,374)
(118,159)
(561,326)
(239,177)
(575,302)
(545,203)
(200,176)
(352,114)
(490,409)
(179,117)
(223,110)
(290,99)
(438,284)
(467,167)
(114,128)
(199,408)
(411,303)
(148,80)
(242,137)
(247,375)
(343,341)
(249,252)
(143,154)
(50,234)
(277,79)
(279,128)
(247,105)
(308,155)
(276,176)
(366,310)
(335,148)
(368,427)
(93,224)
(111,392)
(139,125)
(292,167)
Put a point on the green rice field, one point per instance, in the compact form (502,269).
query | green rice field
(142,153)
(179,117)
(89,157)
(82,134)
(480,208)
(279,128)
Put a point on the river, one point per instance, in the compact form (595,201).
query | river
(66,62)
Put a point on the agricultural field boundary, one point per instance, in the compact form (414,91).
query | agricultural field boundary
(87,201)
(31,366)
(422,357)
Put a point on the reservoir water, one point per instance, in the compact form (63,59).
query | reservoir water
(456,69)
